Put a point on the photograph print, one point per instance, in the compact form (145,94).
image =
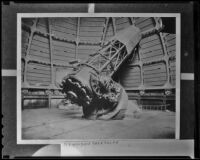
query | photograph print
(108,77)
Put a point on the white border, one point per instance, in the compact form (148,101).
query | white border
(32,15)
(19,105)
(178,70)
(57,141)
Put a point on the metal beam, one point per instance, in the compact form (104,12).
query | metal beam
(166,59)
(132,21)
(103,55)
(77,37)
(33,28)
(117,60)
(141,70)
(51,51)
(114,26)
(142,74)
(103,51)
(105,30)
(111,58)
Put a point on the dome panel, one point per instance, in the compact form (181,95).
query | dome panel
(91,30)
(172,65)
(25,41)
(155,74)
(42,25)
(38,74)
(122,23)
(85,50)
(145,23)
(151,48)
(131,77)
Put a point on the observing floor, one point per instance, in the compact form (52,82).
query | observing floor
(68,124)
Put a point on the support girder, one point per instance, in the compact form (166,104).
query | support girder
(91,85)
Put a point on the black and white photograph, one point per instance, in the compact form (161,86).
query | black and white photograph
(98,76)
(100,79)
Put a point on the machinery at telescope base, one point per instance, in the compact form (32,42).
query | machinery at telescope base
(108,99)
(91,85)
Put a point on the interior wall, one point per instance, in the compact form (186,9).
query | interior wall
(49,44)
(77,38)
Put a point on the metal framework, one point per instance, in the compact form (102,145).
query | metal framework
(91,86)
(109,58)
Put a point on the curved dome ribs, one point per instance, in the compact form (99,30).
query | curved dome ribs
(73,38)
(50,45)
(154,61)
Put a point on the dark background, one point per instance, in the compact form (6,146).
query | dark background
(9,54)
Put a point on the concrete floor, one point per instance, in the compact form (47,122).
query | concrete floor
(67,124)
